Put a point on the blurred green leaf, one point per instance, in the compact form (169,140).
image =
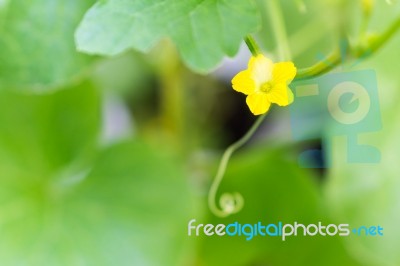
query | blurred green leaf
(40,134)
(37,50)
(203,31)
(140,196)
(57,207)
(130,209)
(274,189)
(126,74)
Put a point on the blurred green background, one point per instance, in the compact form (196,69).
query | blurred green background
(106,154)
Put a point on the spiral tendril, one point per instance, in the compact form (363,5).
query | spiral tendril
(229,203)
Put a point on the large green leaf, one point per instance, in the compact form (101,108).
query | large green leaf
(203,31)
(37,50)
(138,198)
(40,134)
(130,209)
(64,202)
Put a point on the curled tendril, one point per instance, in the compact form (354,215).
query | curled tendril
(229,203)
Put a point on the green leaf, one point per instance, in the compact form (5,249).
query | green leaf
(142,194)
(203,31)
(128,73)
(41,134)
(37,50)
(130,209)
(64,202)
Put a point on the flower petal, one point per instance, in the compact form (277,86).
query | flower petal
(258,103)
(283,72)
(261,69)
(243,82)
(281,95)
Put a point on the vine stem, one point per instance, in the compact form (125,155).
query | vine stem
(360,51)
(230,203)
(278,29)
(252,45)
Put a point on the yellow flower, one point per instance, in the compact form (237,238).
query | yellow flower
(264,83)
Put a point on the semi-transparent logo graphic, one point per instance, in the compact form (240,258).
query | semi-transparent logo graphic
(282,230)
(338,104)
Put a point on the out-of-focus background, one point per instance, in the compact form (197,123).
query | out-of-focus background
(105,159)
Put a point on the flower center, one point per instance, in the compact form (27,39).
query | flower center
(266,87)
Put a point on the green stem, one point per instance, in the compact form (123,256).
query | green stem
(321,67)
(279,29)
(334,59)
(230,203)
(171,95)
(383,38)
(252,45)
